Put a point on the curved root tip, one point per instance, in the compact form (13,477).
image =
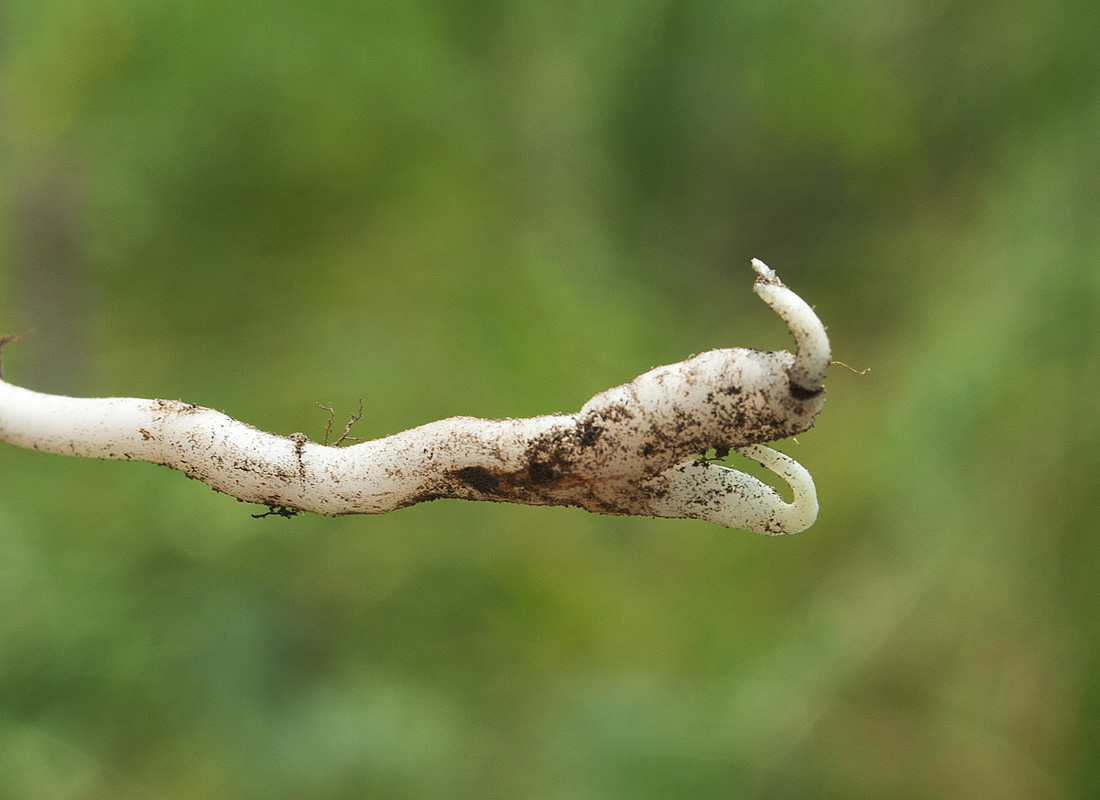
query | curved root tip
(765,274)
(797,515)
(738,500)
(812,344)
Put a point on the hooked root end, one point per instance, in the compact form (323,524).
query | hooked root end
(812,354)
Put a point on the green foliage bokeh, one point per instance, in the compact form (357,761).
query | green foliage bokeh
(499,209)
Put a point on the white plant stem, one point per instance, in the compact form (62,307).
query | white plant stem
(629,450)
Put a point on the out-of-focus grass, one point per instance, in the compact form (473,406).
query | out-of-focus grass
(500,209)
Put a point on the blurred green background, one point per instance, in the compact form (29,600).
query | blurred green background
(499,208)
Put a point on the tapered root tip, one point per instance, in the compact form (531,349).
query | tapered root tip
(813,353)
(765,274)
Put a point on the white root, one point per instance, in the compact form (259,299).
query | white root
(630,450)
(813,355)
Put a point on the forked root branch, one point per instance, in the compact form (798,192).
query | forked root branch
(630,450)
